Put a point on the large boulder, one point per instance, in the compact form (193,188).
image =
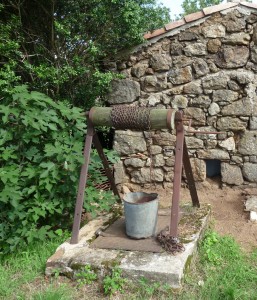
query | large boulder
(193,87)
(230,57)
(231,174)
(214,31)
(147,175)
(250,172)
(213,154)
(129,142)
(181,75)
(197,49)
(196,114)
(239,38)
(160,62)
(228,144)
(123,91)
(215,81)
(213,45)
(198,168)
(193,142)
(200,67)
(231,123)
(243,107)
(201,101)
(120,175)
(224,96)
(179,102)
(139,69)
(248,143)
(134,162)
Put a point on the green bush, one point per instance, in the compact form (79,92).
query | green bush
(41,145)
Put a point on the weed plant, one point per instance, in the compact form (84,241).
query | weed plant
(114,282)
(86,276)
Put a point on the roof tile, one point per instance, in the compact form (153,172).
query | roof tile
(194,16)
(212,9)
(175,24)
(248,4)
(157,32)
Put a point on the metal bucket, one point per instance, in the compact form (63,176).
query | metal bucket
(141,213)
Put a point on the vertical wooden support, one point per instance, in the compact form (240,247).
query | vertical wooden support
(82,183)
(177,174)
(190,177)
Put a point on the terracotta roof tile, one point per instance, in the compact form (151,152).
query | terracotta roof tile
(175,24)
(248,4)
(212,9)
(157,32)
(147,35)
(197,16)
(194,16)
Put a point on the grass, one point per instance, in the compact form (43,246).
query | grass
(223,272)
(22,274)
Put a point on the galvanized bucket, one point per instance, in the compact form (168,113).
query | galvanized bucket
(141,213)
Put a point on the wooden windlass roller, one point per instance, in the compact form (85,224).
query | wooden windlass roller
(131,117)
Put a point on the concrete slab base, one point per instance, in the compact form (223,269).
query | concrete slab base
(160,267)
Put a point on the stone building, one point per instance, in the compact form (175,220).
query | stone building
(206,64)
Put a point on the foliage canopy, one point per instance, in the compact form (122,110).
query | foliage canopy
(59,47)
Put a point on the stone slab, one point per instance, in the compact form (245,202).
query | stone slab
(160,267)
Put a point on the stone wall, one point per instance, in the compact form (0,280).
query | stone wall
(209,70)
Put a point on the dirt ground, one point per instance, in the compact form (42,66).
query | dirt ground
(227,205)
(228,214)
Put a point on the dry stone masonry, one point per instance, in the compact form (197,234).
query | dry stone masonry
(209,70)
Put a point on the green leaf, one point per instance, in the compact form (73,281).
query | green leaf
(8,153)
(29,172)
(48,166)
(31,189)
(59,232)
(52,126)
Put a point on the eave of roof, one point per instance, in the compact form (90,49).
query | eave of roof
(197,16)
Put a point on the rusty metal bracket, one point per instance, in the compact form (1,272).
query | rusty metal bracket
(190,177)
(82,183)
(205,132)
(177,174)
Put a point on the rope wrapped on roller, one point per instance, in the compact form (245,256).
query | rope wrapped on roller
(130,117)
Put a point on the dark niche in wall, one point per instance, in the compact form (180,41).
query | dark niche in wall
(213,167)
